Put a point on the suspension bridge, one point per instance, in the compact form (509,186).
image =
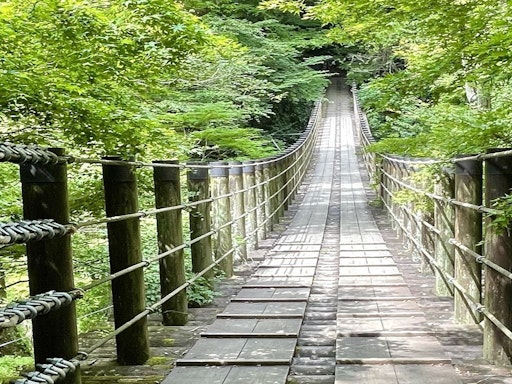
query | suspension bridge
(335,297)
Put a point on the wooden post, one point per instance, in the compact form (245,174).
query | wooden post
(427,242)
(269,226)
(443,221)
(292,175)
(395,172)
(285,178)
(236,185)
(280,187)
(468,231)
(221,213)
(50,264)
(170,235)
(200,219)
(274,188)
(251,223)
(260,201)
(498,246)
(128,296)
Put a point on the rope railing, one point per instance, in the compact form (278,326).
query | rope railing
(469,255)
(17,312)
(267,190)
(32,230)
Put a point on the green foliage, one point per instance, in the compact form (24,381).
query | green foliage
(201,292)
(500,223)
(11,366)
(241,143)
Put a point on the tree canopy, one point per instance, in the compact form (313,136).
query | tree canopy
(435,76)
(150,77)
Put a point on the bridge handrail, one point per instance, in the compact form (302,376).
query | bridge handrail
(449,239)
(265,187)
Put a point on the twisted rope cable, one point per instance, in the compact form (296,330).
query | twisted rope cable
(54,370)
(17,312)
(27,154)
(32,230)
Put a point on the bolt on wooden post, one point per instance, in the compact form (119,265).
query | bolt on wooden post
(50,264)
(128,292)
(468,231)
(443,221)
(251,222)
(498,246)
(170,235)
(236,185)
(200,219)
(221,214)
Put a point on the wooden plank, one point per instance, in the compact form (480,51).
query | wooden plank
(365,260)
(257,375)
(421,374)
(268,349)
(266,308)
(197,375)
(280,281)
(385,350)
(303,247)
(228,375)
(211,349)
(288,261)
(370,280)
(268,299)
(358,374)
(368,325)
(257,326)
(285,271)
(231,362)
(274,292)
(259,316)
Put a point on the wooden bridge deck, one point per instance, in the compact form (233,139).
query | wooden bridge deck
(330,285)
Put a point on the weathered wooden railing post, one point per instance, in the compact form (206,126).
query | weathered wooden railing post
(395,188)
(260,201)
(498,249)
(50,264)
(384,182)
(200,219)
(274,188)
(128,294)
(468,232)
(269,226)
(293,173)
(280,187)
(285,162)
(170,235)
(300,166)
(236,185)
(427,242)
(251,222)
(221,214)
(443,221)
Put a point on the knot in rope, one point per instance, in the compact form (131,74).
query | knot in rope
(27,154)
(32,230)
